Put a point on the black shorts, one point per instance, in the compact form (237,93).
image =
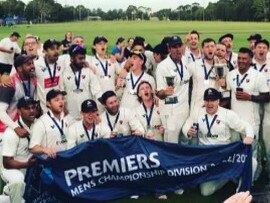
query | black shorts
(5,68)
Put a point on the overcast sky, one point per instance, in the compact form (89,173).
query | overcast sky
(155,5)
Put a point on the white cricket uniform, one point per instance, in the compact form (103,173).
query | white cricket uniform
(265,70)
(220,131)
(16,147)
(106,72)
(77,134)
(7,58)
(122,124)
(129,98)
(8,104)
(45,132)
(45,81)
(203,77)
(268,55)
(190,57)
(175,112)
(155,121)
(88,86)
(150,63)
(233,59)
(253,82)
(220,126)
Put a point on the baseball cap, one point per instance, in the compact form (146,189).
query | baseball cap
(16,34)
(230,35)
(105,96)
(139,54)
(211,94)
(264,41)
(160,49)
(76,49)
(255,37)
(175,40)
(22,59)
(25,102)
(50,43)
(54,93)
(89,106)
(99,39)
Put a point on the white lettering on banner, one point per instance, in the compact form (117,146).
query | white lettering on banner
(126,164)
(187,171)
(81,188)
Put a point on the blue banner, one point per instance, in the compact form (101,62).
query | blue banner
(108,169)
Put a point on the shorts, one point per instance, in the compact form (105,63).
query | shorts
(5,68)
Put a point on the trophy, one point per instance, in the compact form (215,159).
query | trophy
(149,133)
(170,99)
(220,70)
(170,80)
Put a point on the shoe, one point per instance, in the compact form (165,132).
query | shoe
(134,197)
(162,197)
(179,191)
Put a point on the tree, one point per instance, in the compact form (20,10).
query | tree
(261,8)
(131,12)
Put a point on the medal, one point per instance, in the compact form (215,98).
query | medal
(209,125)
(206,82)
(77,91)
(132,92)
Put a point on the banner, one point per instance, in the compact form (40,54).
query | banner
(108,169)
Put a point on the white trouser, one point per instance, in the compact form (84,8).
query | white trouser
(15,184)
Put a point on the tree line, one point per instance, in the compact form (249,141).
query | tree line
(51,11)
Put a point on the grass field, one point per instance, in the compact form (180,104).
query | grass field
(153,31)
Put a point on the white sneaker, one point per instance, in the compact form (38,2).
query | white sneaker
(179,191)
(134,197)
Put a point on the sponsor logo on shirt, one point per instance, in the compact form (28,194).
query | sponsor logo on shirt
(48,83)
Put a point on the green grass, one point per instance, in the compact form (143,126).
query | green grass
(153,31)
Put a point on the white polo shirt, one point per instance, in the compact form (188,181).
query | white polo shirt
(167,68)
(45,133)
(89,88)
(253,83)
(190,57)
(129,98)
(220,132)
(7,58)
(125,123)
(265,70)
(15,146)
(233,59)
(106,72)
(77,134)
(9,99)
(45,81)
(155,121)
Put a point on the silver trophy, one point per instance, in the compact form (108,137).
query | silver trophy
(170,80)
(220,70)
